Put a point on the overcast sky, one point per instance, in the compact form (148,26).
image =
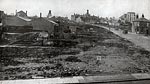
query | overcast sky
(104,8)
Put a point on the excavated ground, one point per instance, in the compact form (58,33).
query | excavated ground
(109,54)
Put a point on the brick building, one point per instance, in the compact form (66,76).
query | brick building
(141,26)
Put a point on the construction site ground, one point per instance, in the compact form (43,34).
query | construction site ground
(110,54)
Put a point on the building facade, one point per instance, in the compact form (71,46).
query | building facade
(128,17)
(141,26)
(43,25)
(131,17)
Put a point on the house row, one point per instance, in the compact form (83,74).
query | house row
(54,26)
(21,23)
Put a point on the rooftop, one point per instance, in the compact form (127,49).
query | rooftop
(142,20)
(15,21)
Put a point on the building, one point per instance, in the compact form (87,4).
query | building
(22,15)
(129,17)
(43,25)
(87,18)
(16,24)
(19,23)
(141,26)
(78,19)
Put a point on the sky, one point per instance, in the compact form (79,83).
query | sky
(102,8)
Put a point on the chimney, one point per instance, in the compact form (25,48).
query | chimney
(137,16)
(142,15)
(26,13)
(16,12)
(50,12)
(40,15)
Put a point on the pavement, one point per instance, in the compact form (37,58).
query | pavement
(137,39)
(136,78)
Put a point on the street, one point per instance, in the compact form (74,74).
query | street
(137,39)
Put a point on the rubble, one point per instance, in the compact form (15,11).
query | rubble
(72,59)
(48,62)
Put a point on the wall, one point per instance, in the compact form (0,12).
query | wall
(43,25)
(18,29)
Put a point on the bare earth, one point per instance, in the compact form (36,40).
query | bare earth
(116,56)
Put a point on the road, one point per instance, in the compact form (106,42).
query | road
(137,39)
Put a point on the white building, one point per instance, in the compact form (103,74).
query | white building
(79,19)
(131,17)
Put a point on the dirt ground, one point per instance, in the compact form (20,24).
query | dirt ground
(110,54)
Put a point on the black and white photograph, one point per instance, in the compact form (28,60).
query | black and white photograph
(74,41)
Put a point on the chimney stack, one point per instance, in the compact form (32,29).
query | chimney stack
(137,16)
(40,15)
(26,13)
(50,12)
(142,15)
(16,12)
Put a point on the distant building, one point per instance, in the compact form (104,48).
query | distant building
(73,17)
(129,17)
(43,25)
(141,26)
(87,18)
(22,15)
(78,19)
(16,24)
